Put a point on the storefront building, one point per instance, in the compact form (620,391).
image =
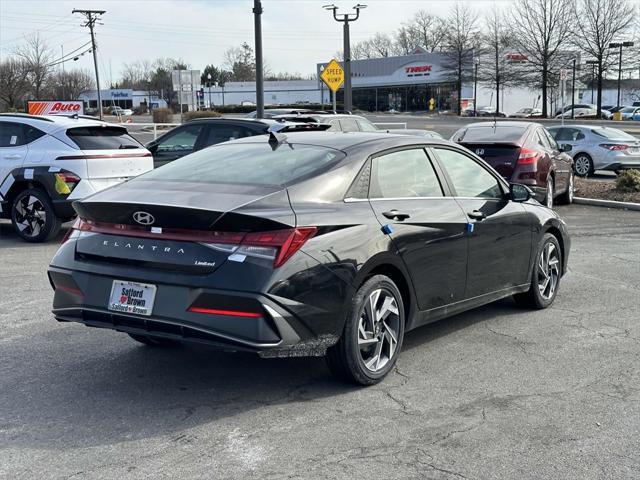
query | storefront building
(122,97)
(421,81)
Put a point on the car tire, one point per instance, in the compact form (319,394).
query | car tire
(567,197)
(547,268)
(583,165)
(372,337)
(33,217)
(548,198)
(154,341)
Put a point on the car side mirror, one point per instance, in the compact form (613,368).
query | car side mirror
(152,147)
(520,193)
(565,147)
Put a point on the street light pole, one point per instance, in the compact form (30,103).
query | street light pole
(476,62)
(573,90)
(593,64)
(346,18)
(620,46)
(257,13)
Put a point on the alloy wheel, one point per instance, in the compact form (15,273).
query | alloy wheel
(378,330)
(548,270)
(550,193)
(31,216)
(582,165)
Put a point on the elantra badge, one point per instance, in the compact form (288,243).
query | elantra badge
(480,151)
(144,218)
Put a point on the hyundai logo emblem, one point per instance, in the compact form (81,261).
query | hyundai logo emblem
(144,218)
(480,152)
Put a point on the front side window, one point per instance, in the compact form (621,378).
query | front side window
(367,126)
(102,138)
(183,139)
(11,134)
(469,178)
(404,174)
(349,125)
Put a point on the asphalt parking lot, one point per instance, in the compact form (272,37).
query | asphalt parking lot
(495,393)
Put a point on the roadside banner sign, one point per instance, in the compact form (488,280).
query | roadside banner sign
(55,108)
(333,75)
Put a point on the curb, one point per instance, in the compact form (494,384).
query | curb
(607,203)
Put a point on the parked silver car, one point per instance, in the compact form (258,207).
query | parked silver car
(598,148)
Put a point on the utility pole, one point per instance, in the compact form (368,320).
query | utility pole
(476,62)
(257,13)
(620,46)
(346,19)
(593,64)
(573,90)
(63,79)
(92,16)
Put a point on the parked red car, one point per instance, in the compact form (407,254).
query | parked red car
(523,152)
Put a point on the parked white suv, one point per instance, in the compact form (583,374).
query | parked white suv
(47,162)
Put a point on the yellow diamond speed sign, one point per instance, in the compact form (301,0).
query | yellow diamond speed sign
(333,75)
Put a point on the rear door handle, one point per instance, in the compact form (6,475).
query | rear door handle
(396,215)
(13,157)
(477,215)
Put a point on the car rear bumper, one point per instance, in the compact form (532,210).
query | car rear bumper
(83,298)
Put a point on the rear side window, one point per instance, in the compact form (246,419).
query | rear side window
(32,133)
(349,125)
(613,134)
(12,134)
(489,134)
(249,164)
(366,126)
(102,138)
(404,174)
(224,133)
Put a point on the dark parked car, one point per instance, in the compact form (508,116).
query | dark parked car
(198,134)
(307,243)
(523,152)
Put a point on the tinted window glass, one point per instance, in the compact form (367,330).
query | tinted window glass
(101,138)
(567,134)
(469,178)
(11,134)
(183,139)
(32,133)
(541,139)
(613,134)
(404,174)
(489,134)
(349,125)
(224,133)
(248,163)
(549,138)
(335,126)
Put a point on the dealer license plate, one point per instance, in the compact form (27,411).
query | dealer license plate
(132,297)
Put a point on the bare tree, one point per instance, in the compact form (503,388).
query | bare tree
(136,75)
(37,56)
(428,30)
(599,23)
(13,82)
(69,85)
(496,69)
(544,28)
(381,45)
(241,62)
(461,37)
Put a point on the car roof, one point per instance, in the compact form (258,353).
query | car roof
(54,123)
(502,123)
(251,121)
(350,140)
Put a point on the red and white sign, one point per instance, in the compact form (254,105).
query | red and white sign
(418,69)
(55,108)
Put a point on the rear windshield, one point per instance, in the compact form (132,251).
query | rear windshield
(489,134)
(613,134)
(628,109)
(249,164)
(102,138)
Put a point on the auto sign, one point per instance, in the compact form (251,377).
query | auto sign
(55,108)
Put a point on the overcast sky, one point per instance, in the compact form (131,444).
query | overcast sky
(297,33)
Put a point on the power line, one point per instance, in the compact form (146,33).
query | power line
(69,55)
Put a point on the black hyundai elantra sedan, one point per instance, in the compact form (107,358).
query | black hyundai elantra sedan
(307,244)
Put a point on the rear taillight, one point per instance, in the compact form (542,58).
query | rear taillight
(614,147)
(228,313)
(73,228)
(276,245)
(65,182)
(528,157)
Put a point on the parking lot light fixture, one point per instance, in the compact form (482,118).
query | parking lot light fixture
(346,18)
